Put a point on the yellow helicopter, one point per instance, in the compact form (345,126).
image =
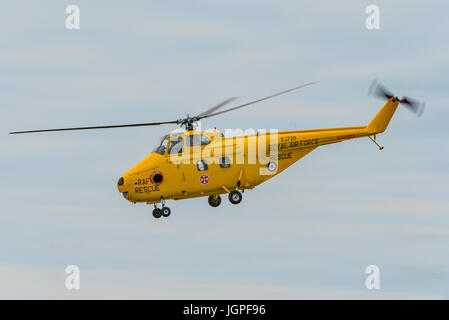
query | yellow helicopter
(206,163)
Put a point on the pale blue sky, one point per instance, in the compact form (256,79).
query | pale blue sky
(308,233)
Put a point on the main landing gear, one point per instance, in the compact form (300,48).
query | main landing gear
(235,197)
(163,212)
(214,201)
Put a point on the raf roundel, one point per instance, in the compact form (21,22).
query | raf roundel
(204,179)
(272,166)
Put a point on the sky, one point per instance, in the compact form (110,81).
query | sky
(308,233)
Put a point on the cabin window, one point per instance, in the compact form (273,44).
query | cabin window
(204,140)
(176,145)
(225,162)
(197,140)
(201,165)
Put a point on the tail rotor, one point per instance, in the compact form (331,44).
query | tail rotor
(379,91)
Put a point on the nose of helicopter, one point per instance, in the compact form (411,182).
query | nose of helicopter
(121,186)
(126,183)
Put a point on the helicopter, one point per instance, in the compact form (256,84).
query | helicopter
(191,163)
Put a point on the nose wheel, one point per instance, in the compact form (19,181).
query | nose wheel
(163,212)
(157,213)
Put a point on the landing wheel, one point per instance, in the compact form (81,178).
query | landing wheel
(214,201)
(235,197)
(157,213)
(166,211)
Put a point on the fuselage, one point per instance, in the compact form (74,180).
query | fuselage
(194,164)
(219,163)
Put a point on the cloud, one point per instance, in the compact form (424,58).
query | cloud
(14,147)
(49,283)
(40,56)
(352,229)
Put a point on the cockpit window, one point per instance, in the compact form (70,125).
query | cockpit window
(176,145)
(161,147)
(197,140)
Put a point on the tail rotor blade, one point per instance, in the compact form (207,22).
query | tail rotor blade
(378,90)
(414,105)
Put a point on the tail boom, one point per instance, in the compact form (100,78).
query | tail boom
(317,137)
(381,120)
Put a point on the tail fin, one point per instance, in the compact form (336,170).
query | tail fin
(381,120)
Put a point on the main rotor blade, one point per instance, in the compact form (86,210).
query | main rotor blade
(259,100)
(218,106)
(98,127)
